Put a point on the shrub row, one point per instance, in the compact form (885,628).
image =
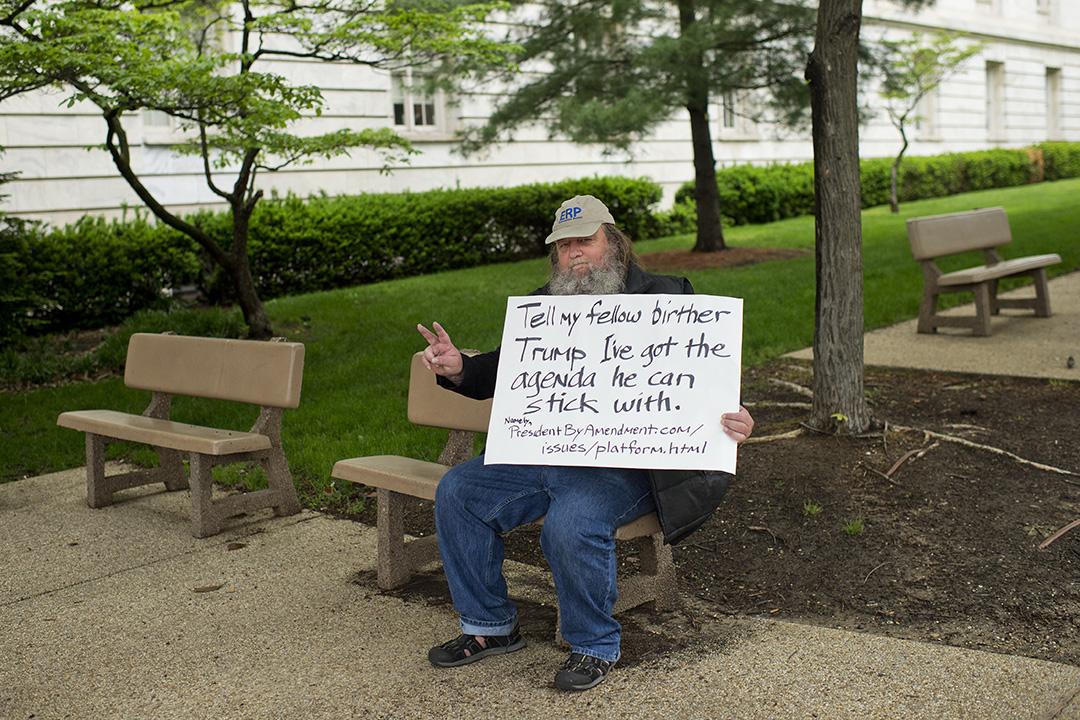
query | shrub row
(96,273)
(760,194)
(90,274)
(302,246)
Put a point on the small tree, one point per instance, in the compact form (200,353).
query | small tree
(913,68)
(172,56)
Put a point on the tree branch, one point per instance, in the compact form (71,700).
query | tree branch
(121,160)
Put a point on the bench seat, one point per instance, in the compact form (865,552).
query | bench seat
(420,478)
(1000,270)
(163,433)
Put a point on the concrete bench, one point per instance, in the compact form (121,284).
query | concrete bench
(267,374)
(937,236)
(398,478)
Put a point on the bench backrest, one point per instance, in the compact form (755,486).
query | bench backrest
(435,406)
(248,371)
(936,236)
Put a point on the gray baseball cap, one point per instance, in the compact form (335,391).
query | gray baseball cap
(580,216)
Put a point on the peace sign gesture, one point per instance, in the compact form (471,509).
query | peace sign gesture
(440,356)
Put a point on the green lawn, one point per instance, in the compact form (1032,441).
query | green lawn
(359,339)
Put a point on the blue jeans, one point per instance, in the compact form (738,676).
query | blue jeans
(476,503)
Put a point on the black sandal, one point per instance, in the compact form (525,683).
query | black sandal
(465,649)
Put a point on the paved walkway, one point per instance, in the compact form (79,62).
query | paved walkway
(119,613)
(1019,345)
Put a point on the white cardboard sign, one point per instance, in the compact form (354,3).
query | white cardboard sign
(617,381)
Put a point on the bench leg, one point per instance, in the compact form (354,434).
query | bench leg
(992,289)
(172,469)
(928,312)
(398,558)
(280,481)
(98,494)
(204,518)
(100,489)
(981,324)
(1042,293)
(393,570)
(207,513)
(658,565)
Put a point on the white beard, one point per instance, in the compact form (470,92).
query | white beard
(605,278)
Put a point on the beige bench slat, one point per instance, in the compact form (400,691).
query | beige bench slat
(644,526)
(998,271)
(417,478)
(163,433)
(247,371)
(934,236)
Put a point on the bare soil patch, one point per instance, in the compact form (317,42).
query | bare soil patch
(672,262)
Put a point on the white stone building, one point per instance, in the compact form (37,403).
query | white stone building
(1024,88)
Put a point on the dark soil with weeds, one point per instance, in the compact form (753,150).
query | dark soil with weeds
(928,531)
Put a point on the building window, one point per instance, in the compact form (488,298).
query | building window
(162,129)
(926,114)
(1043,7)
(728,116)
(417,109)
(995,100)
(1053,104)
(734,112)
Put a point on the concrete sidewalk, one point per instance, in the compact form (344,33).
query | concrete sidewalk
(1020,344)
(121,613)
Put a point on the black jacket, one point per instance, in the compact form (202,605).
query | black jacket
(684,498)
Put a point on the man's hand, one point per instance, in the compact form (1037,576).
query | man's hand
(441,357)
(738,425)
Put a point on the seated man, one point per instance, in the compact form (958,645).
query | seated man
(475,503)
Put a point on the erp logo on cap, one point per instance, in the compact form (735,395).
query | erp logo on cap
(580,216)
(568,214)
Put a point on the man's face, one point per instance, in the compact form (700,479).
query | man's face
(580,256)
(587,266)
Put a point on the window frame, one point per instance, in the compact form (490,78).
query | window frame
(436,120)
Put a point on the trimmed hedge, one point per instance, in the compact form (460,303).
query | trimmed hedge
(759,194)
(96,273)
(299,246)
(87,275)
(1060,160)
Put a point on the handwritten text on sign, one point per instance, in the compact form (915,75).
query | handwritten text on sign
(617,381)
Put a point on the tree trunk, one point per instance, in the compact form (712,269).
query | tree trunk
(838,403)
(710,233)
(239,269)
(894,173)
